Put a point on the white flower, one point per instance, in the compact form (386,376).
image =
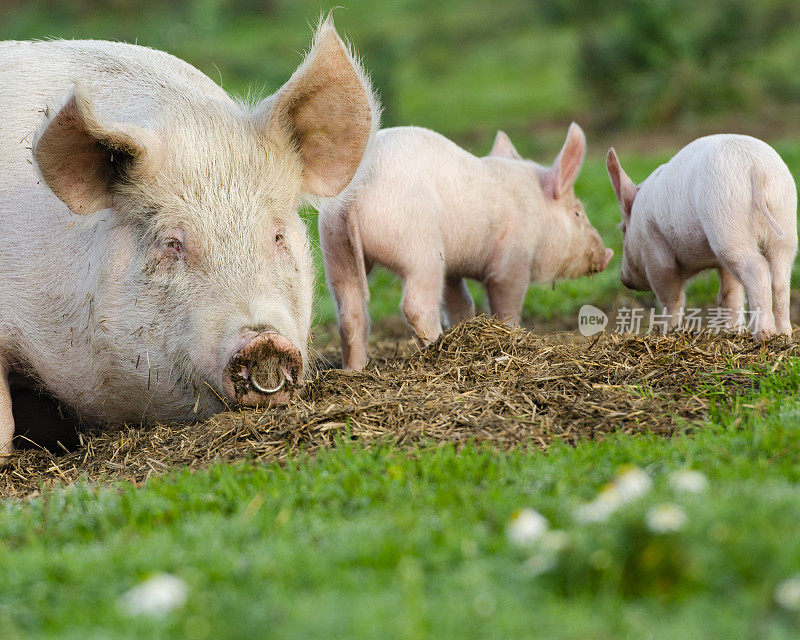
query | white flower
(787,593)
(688,481)
(554,541)
(599,509)
(666,518)
(526,527)
(156,596)
(632,484)
(540,563)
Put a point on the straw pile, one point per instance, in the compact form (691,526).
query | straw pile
(480,381)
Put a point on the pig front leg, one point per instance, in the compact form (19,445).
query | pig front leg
(6,416)
(422,297)
(458,303)
(506,296)
(753,271)
(731,297)
(667,283)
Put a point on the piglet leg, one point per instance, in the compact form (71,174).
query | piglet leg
(780,266)
(667,281)
(752,270)
(347,285)
(506,296)
(458,302)
(353,327)
(422,295)
(731,297)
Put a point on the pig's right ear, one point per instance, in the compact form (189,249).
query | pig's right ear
(561,177)
(624,188)
(327,112)
(502,147)
(80,157)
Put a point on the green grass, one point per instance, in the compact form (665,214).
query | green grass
(383,543)
(389,543)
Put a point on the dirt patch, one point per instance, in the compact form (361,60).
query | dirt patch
(479,381)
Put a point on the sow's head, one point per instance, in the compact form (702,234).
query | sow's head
(203,195)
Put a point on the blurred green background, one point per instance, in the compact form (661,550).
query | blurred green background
(644,75)
(468,67)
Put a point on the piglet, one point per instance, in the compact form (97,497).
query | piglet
(725,202)
(435,214)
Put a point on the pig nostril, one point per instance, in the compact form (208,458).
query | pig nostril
(267,386)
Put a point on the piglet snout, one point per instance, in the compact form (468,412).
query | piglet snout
(599,258)
(607,258)
(265,371)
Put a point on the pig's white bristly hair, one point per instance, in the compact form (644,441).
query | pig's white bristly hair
(153,90)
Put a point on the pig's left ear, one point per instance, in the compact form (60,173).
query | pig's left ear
(327,111)
(562,175)
(502,147)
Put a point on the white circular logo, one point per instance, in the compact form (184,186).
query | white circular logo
(591,320)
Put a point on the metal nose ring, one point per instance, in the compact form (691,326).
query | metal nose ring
(268,392)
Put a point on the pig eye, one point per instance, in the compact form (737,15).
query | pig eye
(174,246)
(279,239)
(577,213)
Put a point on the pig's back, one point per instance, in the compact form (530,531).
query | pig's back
(420,192)
(706,189)
(409,158)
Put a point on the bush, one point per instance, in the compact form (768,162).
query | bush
(656,61)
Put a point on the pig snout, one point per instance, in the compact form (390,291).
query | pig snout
(599,257)
(265,370)
(609,253)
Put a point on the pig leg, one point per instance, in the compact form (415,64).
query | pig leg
(780,265)
(345,282)
(731,297)
(752,270)
(422,296)
(667,283)
(458,302)
(353,324)
(506,297)
(6,417)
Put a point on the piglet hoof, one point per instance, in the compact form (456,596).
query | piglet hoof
(764,335)
(777,340)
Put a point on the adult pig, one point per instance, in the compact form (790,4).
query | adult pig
(153,264)
(435,214)
(725,202)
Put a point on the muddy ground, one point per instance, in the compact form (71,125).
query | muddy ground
(479,382)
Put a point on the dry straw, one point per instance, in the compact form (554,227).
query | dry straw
(480,381)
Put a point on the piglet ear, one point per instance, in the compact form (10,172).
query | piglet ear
(327,111)
(624,188)
(560,178)
(79,156)
(502,147)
